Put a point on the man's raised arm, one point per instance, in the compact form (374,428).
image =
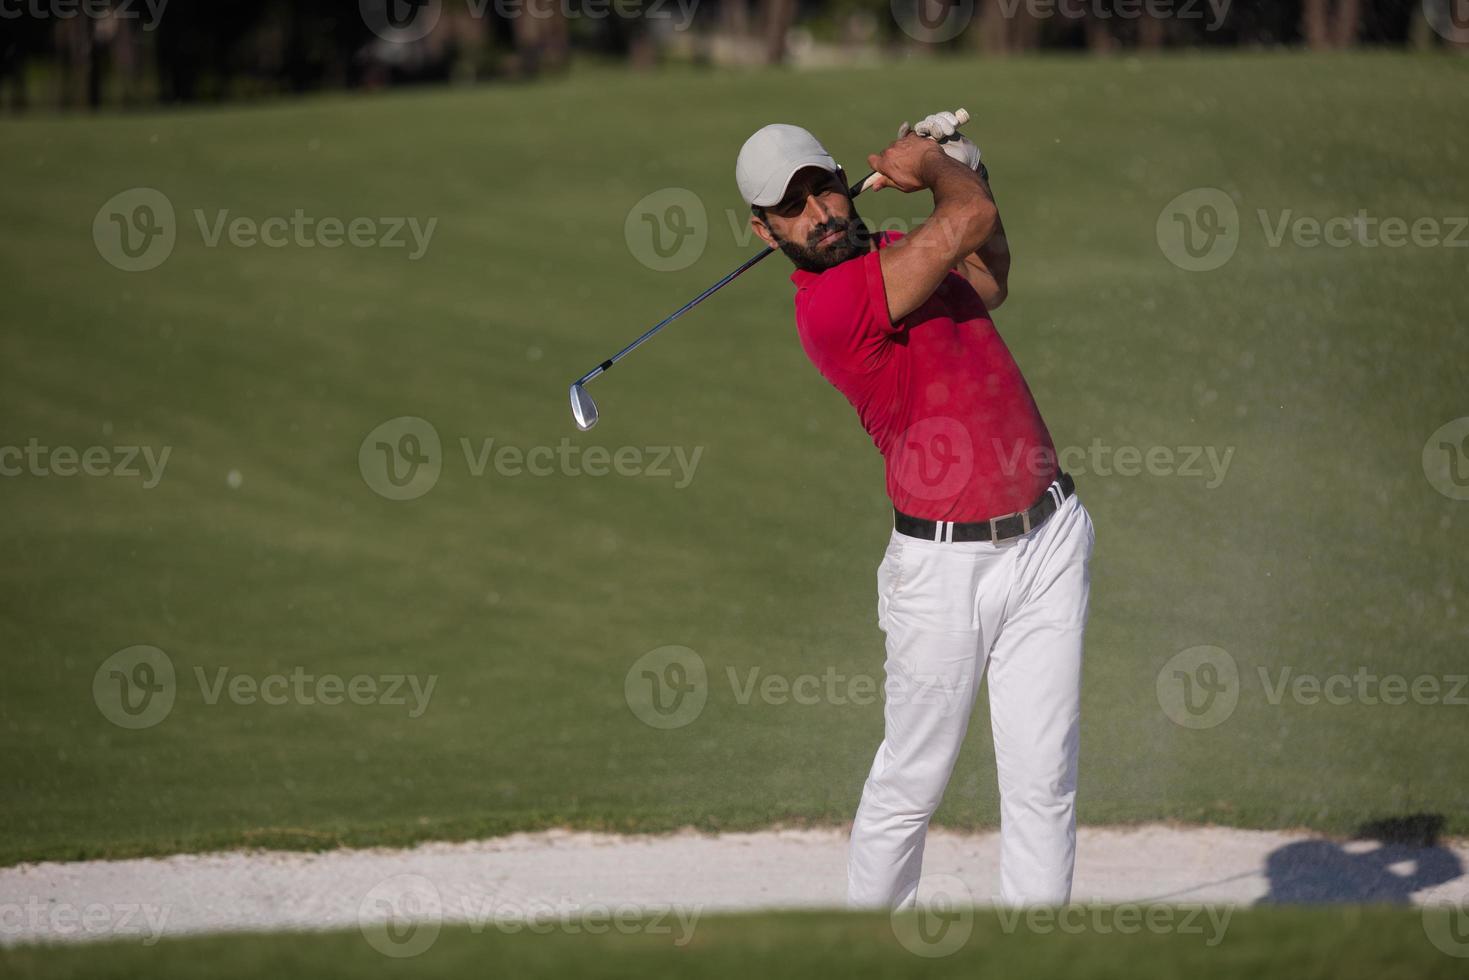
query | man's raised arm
(964,220)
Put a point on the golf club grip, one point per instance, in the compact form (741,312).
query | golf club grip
(960,114)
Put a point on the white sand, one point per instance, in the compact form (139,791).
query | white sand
(558,875)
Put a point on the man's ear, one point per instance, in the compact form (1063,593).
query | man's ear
(763,230)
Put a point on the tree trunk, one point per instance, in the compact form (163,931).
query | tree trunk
(1313,24)
(734,17)
(778,17)
(74,57)
(542,41)
(993,36)
(999,33)
(1348,16)
(1099,39)
(1150,32)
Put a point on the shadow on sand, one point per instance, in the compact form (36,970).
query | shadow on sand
(1407,858)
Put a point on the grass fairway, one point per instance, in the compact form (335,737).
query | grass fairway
(1323,370)
(1333,944)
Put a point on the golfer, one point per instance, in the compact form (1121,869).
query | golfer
(986,567)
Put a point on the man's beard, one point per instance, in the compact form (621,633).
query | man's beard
(854,241)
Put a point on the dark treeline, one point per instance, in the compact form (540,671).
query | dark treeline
(91,53)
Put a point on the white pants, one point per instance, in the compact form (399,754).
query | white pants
(948,610)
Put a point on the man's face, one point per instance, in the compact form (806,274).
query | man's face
(815,224)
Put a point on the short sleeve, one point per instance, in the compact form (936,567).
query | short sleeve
(843,315)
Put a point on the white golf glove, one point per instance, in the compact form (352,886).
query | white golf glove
(941,125)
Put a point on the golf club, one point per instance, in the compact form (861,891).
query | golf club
(584,409)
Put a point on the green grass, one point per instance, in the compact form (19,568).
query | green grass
(1325,370)
(1340,943)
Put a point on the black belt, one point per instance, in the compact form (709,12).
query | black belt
(996,528)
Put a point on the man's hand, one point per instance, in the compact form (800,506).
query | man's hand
(944,127)
(903,164)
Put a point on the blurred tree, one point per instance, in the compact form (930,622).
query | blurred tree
(1100,19)
(1005,26)
(542,37)
(776,17)
(1329,24)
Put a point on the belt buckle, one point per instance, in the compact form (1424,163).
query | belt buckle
(994,523)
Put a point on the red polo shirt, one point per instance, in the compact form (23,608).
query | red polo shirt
(938,391)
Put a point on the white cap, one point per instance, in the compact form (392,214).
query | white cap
(771,157)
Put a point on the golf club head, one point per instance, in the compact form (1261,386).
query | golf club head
(583,409)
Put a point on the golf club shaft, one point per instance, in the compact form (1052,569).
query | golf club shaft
(744,267)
